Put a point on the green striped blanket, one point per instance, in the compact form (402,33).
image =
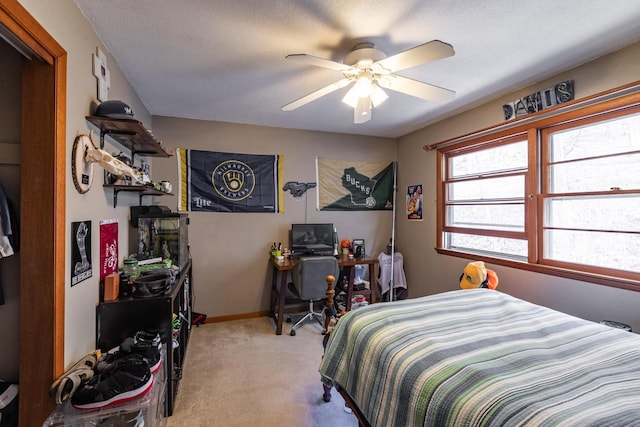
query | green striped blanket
(483,358)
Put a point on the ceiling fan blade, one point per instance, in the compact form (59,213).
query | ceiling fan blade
(318,62)
(416,88)
(317,94)
(430,51)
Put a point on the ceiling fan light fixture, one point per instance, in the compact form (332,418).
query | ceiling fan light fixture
(371,71)
(386,81)
(378,96)
(363,84)
(351,97)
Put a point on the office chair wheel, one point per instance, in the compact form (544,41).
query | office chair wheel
(292,333)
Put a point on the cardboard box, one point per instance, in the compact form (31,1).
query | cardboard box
(111,287)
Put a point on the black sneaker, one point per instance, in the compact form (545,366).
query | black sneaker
(126,378)
(148,346)
(144,343)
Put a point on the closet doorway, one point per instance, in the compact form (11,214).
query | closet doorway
(42,208)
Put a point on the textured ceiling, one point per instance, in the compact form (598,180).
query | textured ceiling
(224,60)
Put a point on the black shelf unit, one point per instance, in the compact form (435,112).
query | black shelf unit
(119,319)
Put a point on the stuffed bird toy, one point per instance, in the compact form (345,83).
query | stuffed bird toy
(476,275)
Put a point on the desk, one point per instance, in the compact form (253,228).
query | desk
(279,287)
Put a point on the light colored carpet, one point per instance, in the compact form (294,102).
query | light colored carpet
(239,374)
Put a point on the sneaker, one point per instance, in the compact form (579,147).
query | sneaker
(64,387)
(126,378)
(148,346)
(147,338)
(143,343)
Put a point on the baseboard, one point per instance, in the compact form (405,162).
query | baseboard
(217,319)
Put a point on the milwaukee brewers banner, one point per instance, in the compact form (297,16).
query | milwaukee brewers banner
(348,186)
(227,182)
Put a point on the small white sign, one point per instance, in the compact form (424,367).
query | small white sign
(101,72)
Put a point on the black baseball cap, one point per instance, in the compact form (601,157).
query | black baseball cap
(115,110)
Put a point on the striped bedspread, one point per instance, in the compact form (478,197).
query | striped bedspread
(483,358)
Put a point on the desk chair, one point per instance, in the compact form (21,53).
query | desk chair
(309,283)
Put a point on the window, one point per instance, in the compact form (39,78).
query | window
(558,196)
(485,197)
(591,194)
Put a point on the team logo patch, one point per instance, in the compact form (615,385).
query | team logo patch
(233,180)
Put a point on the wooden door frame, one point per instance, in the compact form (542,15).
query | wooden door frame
(42,212)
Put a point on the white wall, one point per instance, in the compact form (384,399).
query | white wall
(231,251)
(64,22)
(428,272)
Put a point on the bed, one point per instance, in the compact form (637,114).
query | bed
(482,358)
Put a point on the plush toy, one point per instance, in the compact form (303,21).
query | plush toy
(476,275)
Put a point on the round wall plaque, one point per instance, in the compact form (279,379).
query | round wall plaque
(81,168)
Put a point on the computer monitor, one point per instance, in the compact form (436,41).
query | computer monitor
(311,239)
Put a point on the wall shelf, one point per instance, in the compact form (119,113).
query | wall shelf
(130,134)
(142,191)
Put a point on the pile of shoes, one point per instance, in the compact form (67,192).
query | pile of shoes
(143,343)
(121,374)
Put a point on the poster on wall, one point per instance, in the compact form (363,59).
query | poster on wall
(108,247)
(414,202)
(345,185)
(228,182)
(80,251)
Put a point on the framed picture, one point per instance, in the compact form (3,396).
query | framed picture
(358,248)
(414,202)
(80,252)
(146,168)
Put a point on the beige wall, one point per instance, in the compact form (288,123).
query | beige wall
(64,22)
(230,251)
(428,272)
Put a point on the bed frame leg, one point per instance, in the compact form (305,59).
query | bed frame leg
(330,313)
(326,396)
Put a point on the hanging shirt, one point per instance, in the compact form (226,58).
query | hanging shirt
(399,279)
(8,231)
(6,249)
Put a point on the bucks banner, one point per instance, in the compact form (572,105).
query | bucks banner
(346,185)
(226,182)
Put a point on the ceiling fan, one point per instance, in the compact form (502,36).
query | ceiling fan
(371,70)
